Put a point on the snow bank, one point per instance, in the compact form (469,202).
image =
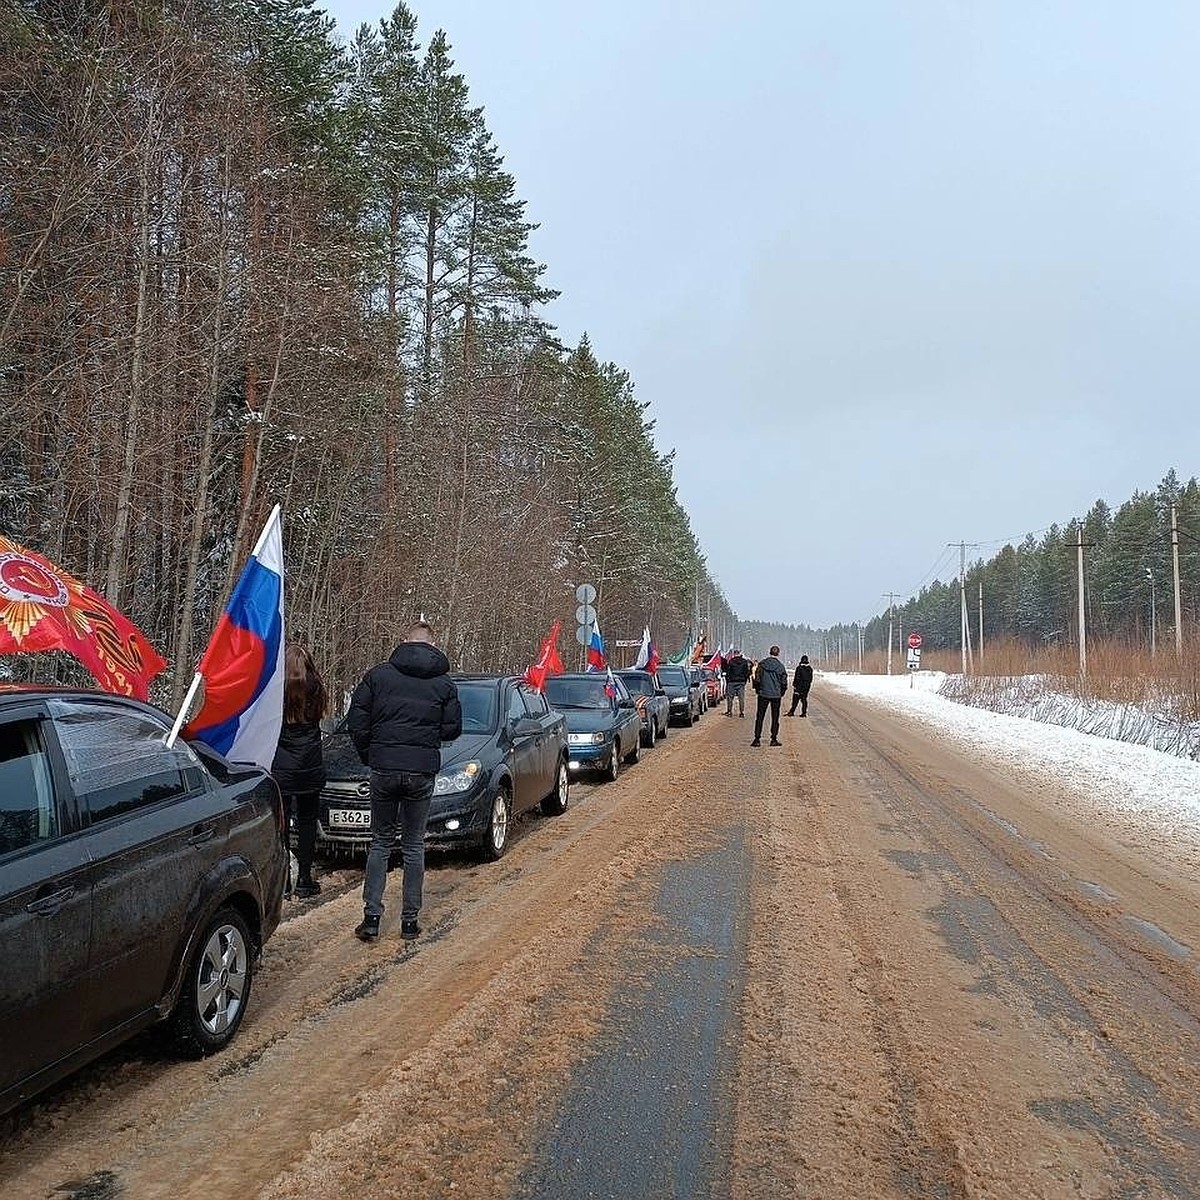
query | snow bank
(1130,779)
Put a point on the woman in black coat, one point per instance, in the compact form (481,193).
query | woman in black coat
(298,767)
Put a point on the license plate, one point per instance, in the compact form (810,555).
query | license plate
(350,818)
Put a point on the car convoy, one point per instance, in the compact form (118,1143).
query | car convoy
(139,880)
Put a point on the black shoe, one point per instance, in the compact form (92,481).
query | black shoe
(368,930)
(756,742)
(410,931)
(776,742)
(307,888)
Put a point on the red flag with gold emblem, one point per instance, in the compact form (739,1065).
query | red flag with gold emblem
(44,608)
(548,662)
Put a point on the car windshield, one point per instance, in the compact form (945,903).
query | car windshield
(643,685)
(671,676)
(577,693)
(478,702)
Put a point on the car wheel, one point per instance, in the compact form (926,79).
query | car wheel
(216,988)
(664,728)
(691,718)
(614,763)
(555,804)
(647,735)
(495,839)
(636,752)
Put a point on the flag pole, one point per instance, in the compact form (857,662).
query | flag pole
(193,687)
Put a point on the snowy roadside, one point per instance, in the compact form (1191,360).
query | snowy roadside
(1147,787)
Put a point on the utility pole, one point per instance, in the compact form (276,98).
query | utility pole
(1175,561)
(858,628)
(1153,616)
(964,620)
(891,599)
(1082,616)
(981,624)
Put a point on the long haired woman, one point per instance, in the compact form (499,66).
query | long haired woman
(298,767)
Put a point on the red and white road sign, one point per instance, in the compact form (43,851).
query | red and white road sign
(914,640)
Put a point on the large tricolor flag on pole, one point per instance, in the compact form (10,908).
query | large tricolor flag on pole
(647,659)
(597,660)
(242,668)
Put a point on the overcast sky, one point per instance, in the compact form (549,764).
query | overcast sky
(889,274)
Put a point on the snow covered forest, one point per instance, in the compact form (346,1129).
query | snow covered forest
(243,262)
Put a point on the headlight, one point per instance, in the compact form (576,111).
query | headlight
(457,779)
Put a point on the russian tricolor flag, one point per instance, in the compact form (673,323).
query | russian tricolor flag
(597,660)
(242,668)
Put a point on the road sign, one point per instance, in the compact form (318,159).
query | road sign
(583,634)
(585,614)
(914,640)
(914,658)
(625,645)
(585,593)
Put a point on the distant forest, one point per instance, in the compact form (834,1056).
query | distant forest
(1030,591)
(244,262)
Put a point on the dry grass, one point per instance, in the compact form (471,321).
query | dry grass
(1117,671)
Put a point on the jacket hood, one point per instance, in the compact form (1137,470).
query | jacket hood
(420,659)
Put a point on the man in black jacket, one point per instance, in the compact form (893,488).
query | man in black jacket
(737,674)
(400,714)
(801,683)
(771,683)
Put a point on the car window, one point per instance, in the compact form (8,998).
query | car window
(118,761)
(27,810)
(672,676)
(516,706)
(535,703)
(643,685)
(576,692)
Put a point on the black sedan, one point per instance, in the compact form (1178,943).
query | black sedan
(138,882)
(512,756)
(685,692)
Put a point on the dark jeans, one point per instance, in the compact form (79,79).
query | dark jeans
(303,806)
(399,800)
(732,690)
(774,704)
(799,698)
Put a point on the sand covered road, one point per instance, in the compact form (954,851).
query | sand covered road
(860,965)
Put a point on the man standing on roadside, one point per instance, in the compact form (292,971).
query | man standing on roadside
(801,683)
(771,684)
(737,674)
(400,714)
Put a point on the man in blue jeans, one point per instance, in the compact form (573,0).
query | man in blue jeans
(400,714)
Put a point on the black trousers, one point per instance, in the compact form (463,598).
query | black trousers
(303,807)
(763,704)
(799,698)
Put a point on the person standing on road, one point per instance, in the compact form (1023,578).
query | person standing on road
(400,714)
(298,767)
(771,684)
(737,675)
(801,683)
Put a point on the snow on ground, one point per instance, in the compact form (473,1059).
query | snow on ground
(1147,785)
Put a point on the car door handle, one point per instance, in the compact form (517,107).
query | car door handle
(201,834)
(48,905)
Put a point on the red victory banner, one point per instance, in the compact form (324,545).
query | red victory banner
(548,662)
(44,608)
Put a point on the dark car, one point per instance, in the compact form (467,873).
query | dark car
(684,692)
(652,703)
(138,882)
(512,756)
(603,723)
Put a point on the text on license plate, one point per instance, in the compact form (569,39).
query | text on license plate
(350,818)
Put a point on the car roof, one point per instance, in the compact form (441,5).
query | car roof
(14,693)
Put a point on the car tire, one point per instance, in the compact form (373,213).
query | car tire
(663,728)
(614,764)
(219,976)
(690,719)
(555,804)
(648,735)
(636,753)
(499,825)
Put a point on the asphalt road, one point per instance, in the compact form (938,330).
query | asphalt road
(859,965)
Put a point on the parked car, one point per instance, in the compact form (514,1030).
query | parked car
(684,693)
(138,882)
(652,703)
(603,723)
(511,757)
(713,685)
